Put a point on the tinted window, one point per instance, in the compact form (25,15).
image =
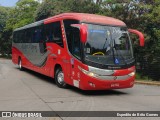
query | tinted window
(73,38)
(38,34)
(20,36)
(76,45)
(27,38)
(53,33)
(15,37)
(29,35)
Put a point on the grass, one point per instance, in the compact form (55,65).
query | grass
(142,77)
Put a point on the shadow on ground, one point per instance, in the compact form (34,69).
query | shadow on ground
(74,89)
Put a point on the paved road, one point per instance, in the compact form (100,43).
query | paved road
(30,91)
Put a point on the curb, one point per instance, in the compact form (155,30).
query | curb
(148,82)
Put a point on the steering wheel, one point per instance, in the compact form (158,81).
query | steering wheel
(98,53)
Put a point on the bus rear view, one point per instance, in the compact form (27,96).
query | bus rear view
(97,53)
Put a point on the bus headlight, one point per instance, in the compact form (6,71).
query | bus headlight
(91,74)
(131,74)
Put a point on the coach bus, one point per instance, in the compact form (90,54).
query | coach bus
(90,52)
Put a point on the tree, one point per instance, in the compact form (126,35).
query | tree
(22,14)
(16,17)
(143,15)
(4,15)
(53,7)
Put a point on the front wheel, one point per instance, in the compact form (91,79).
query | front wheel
(59,78)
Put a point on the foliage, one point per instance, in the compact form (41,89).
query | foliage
(4,15)
(12,18)
(4,11)
(53,7)
(22,14)
(143,15)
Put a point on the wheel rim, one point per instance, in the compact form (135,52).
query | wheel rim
(20,65)
(60,77)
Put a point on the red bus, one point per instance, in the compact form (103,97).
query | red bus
(88,51)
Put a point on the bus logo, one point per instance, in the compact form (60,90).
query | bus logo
(115,78)
(6,114)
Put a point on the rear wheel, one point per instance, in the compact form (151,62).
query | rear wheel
(59,78)
(20,64)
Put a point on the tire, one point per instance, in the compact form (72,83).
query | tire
(59,78)
(20,65)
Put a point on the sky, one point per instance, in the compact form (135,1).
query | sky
(8,3)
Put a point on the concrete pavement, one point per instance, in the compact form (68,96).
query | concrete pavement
(30,91)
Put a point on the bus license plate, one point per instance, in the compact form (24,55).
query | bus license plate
(115,85)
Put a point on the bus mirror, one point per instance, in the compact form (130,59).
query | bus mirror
(83,31)
(139,34)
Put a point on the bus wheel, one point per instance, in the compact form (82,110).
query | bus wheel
(59,78)
(20,65)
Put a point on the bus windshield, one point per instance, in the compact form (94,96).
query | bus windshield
(108,45)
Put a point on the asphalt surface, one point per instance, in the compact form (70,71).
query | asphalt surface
(30,91)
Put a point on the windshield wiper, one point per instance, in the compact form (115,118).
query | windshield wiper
(108,47)
(105,43)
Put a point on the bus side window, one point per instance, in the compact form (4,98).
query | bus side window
(76,43)
(15,37)
(42,39)
(20,37)
(53,33)
(23,36)
(48,33)
(27,37)
(38,35)
(57,34)
(73,38)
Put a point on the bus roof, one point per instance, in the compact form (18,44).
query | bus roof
(89,18)
(30,25)
(82,17)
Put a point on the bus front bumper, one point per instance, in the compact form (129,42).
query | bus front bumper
(91,83)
